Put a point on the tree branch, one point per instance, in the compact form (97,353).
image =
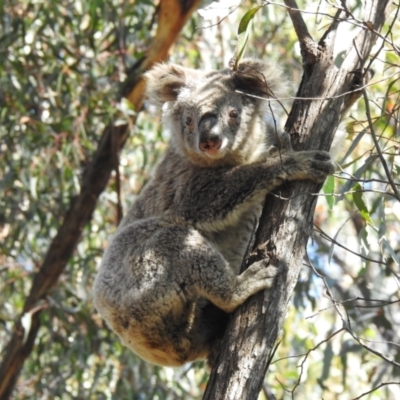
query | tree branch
(285,226)
(377,147)
(309,49)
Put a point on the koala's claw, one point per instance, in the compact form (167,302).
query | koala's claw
(322,156)
(272,151)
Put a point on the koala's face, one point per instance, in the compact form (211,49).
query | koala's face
(212,121)
(211,117)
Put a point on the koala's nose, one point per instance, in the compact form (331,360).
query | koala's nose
(210,138)
(210,145)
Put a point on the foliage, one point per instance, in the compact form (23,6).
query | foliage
(62,69)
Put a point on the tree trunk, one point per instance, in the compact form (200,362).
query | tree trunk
(285,225)
(172,15)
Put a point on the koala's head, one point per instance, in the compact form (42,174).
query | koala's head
(218,117)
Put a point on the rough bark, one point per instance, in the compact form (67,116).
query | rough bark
(172,15)
(286,225)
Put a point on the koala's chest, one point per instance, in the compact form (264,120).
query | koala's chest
(232,241)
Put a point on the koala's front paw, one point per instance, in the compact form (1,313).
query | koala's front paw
(322,165)
(284,141)
(283,146)
(272,151)
(313,164)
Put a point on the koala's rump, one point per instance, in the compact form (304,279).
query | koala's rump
(145,291)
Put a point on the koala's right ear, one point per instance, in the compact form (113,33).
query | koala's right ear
(164,82)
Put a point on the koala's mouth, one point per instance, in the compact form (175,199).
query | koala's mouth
(214,148)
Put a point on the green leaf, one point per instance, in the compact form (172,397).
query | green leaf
(385,243)
(355,141)
(364,242)
(359,202)
(328,357)
(329,188)
(346,187)
(243,33)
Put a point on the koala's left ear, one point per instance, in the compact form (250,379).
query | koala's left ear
(164,82)
(258,78)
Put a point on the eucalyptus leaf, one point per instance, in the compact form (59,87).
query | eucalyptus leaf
(359,202)
(329,188)
(243,33)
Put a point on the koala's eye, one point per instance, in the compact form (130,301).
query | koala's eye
(188,120)
(233,114)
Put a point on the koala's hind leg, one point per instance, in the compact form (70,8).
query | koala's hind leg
(196,271)
(209,275)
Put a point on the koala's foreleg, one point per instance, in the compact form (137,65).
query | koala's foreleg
(225,192)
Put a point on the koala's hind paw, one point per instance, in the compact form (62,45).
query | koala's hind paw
(256,278)
(259,276)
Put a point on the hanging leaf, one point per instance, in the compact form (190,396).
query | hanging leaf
(243,34)
(381,218)
(354,143)
(329,188)
(384,243)
(328,357)
(364,244)
(359,202)
(346,187)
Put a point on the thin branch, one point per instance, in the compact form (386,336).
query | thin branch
(378,149)
(352,178)
(308,46)
(353,21)
(370,349)
(364,86)
(309,350)
(343,303)
(301,366)
(376,388)
(346,321)
(280,197)
(327,237)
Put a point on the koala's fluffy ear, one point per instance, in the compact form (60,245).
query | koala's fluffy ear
(164,82)
(259,78)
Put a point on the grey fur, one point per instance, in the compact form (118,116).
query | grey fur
(170,274)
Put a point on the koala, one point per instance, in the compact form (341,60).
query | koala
(171,274)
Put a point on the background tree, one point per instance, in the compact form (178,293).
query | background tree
(63,122)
